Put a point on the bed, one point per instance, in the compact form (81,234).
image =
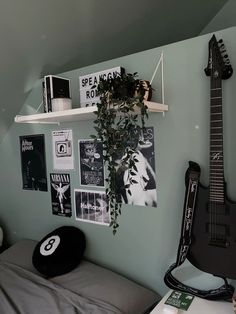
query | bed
(88,288)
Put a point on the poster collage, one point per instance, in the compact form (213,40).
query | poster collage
(90,201)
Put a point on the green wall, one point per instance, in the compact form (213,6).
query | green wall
(147,240)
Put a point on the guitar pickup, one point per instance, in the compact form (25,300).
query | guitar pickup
(214,208)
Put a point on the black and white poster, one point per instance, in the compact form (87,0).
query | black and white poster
(33,162)
(62,148)
(144,192)
(91,206)
(91,163)
(60,194)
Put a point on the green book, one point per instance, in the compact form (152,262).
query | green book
(181,300)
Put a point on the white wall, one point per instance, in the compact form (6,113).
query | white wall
(225,18)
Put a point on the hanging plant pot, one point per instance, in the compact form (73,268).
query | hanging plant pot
(144,90)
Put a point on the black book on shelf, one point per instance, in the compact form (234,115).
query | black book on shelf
(55,87)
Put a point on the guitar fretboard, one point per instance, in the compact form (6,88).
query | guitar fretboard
(216,142)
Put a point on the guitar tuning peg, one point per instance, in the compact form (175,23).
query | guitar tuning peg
(220,41)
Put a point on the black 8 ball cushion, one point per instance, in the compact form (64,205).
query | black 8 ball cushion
(59,251)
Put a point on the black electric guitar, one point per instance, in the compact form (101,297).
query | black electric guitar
(213,246)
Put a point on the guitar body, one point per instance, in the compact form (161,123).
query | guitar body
(213,249)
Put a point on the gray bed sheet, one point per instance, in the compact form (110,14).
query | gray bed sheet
(89,288)
(27,293)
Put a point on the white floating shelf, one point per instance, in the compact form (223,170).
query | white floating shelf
(72,115)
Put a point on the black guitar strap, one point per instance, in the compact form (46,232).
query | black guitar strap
(224,292)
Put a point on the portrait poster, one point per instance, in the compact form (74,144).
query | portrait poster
(60,194)
(91,163)
(33,162)
(91,206)
(144,192)
(62,148)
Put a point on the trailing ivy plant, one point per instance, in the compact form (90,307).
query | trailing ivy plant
(120,119)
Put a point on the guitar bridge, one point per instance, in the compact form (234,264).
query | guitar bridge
(218,234)
(223,243)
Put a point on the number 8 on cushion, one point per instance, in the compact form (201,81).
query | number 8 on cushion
(49,245)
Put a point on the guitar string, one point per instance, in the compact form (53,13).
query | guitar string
(212,185)
(215,79)
(215,198)
(211,160)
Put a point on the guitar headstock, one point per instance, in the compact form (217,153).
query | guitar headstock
(218,61)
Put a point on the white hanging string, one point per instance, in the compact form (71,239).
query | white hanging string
(40,105)
(160,61)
